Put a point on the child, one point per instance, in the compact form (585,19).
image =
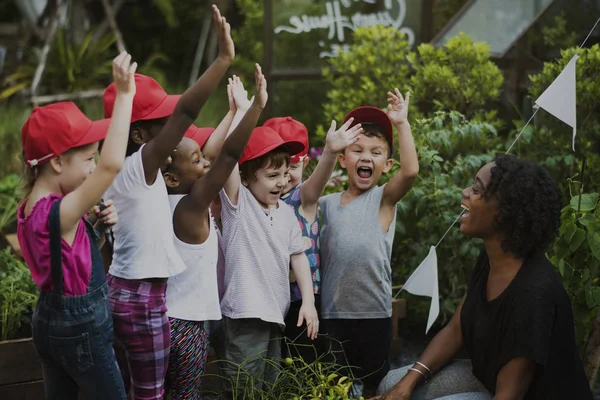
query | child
(72,325)
(357,235)
(192,296)
(303,198)
(144,253)
(261,238)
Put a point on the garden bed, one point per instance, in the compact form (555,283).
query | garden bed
(20,371)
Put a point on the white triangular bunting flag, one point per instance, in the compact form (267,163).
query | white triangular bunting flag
(560,98)
(424,282)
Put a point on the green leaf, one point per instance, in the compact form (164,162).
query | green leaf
(594,238)
(586,219)
(567,230)
(561,267)
(588,202)
(577,239)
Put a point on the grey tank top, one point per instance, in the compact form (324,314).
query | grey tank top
(355,258)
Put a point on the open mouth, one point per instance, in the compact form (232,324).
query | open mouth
(465,211)
(276,192)
(365,172)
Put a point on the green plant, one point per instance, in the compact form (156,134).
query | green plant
(12,116)
(458,76)
(294,378)
(18,294)
(9,200)
(70,66)
(576,256)
(375,63)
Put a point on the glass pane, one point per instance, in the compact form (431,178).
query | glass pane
(306,32)
(499,23)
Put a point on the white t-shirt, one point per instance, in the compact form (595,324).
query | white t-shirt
(257,249)
(193,295)
(143,245)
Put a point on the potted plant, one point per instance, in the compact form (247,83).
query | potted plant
(20,372)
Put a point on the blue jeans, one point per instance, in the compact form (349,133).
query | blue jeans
(73,337)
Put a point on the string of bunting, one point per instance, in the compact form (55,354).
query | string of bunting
(559,99)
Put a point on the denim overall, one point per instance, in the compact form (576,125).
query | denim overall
(73,334)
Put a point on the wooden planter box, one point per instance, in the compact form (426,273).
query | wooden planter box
(20,371)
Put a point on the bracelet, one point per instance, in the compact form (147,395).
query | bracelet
(425,366)
(416,370)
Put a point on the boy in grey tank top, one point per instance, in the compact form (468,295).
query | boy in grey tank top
(356,240)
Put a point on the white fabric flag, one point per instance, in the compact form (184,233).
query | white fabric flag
(424,282)
(560,98)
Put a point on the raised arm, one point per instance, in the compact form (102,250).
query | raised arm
(336,141)
(240,96)
(191,102)
(213,145)
(81,200)
(440,351)
(195,205)
(401,183)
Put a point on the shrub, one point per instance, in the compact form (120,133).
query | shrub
(576,256)
(18,294)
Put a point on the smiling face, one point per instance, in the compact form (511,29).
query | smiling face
(366,160)
(267,176)
(295,174)
(187,166)
(74,166)
(480,211)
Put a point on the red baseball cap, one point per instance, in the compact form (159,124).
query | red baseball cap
(265,139)
(53,129)
(200,135)
(290,129)
(150,101)
(367,114)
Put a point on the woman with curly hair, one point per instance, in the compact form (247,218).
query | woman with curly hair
(515,322)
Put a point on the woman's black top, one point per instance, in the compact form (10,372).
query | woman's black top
(531,319)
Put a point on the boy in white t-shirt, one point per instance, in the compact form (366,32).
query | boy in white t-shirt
(261,239)
(144,254)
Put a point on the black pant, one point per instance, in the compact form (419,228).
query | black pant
(297,343)
(362,344)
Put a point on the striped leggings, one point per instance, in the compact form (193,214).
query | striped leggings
(189,348)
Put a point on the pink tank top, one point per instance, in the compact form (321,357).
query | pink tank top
(34,239)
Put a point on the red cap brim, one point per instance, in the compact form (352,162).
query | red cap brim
(199,135)
(96,132)
(164,109)
(375,116)
(292,146)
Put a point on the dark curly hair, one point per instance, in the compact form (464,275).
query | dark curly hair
(528,205)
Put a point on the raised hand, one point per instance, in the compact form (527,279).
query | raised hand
(232,106)
(240,95)
(261,88)
(226,46)
(397,109)
(123,73)
(338,140)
